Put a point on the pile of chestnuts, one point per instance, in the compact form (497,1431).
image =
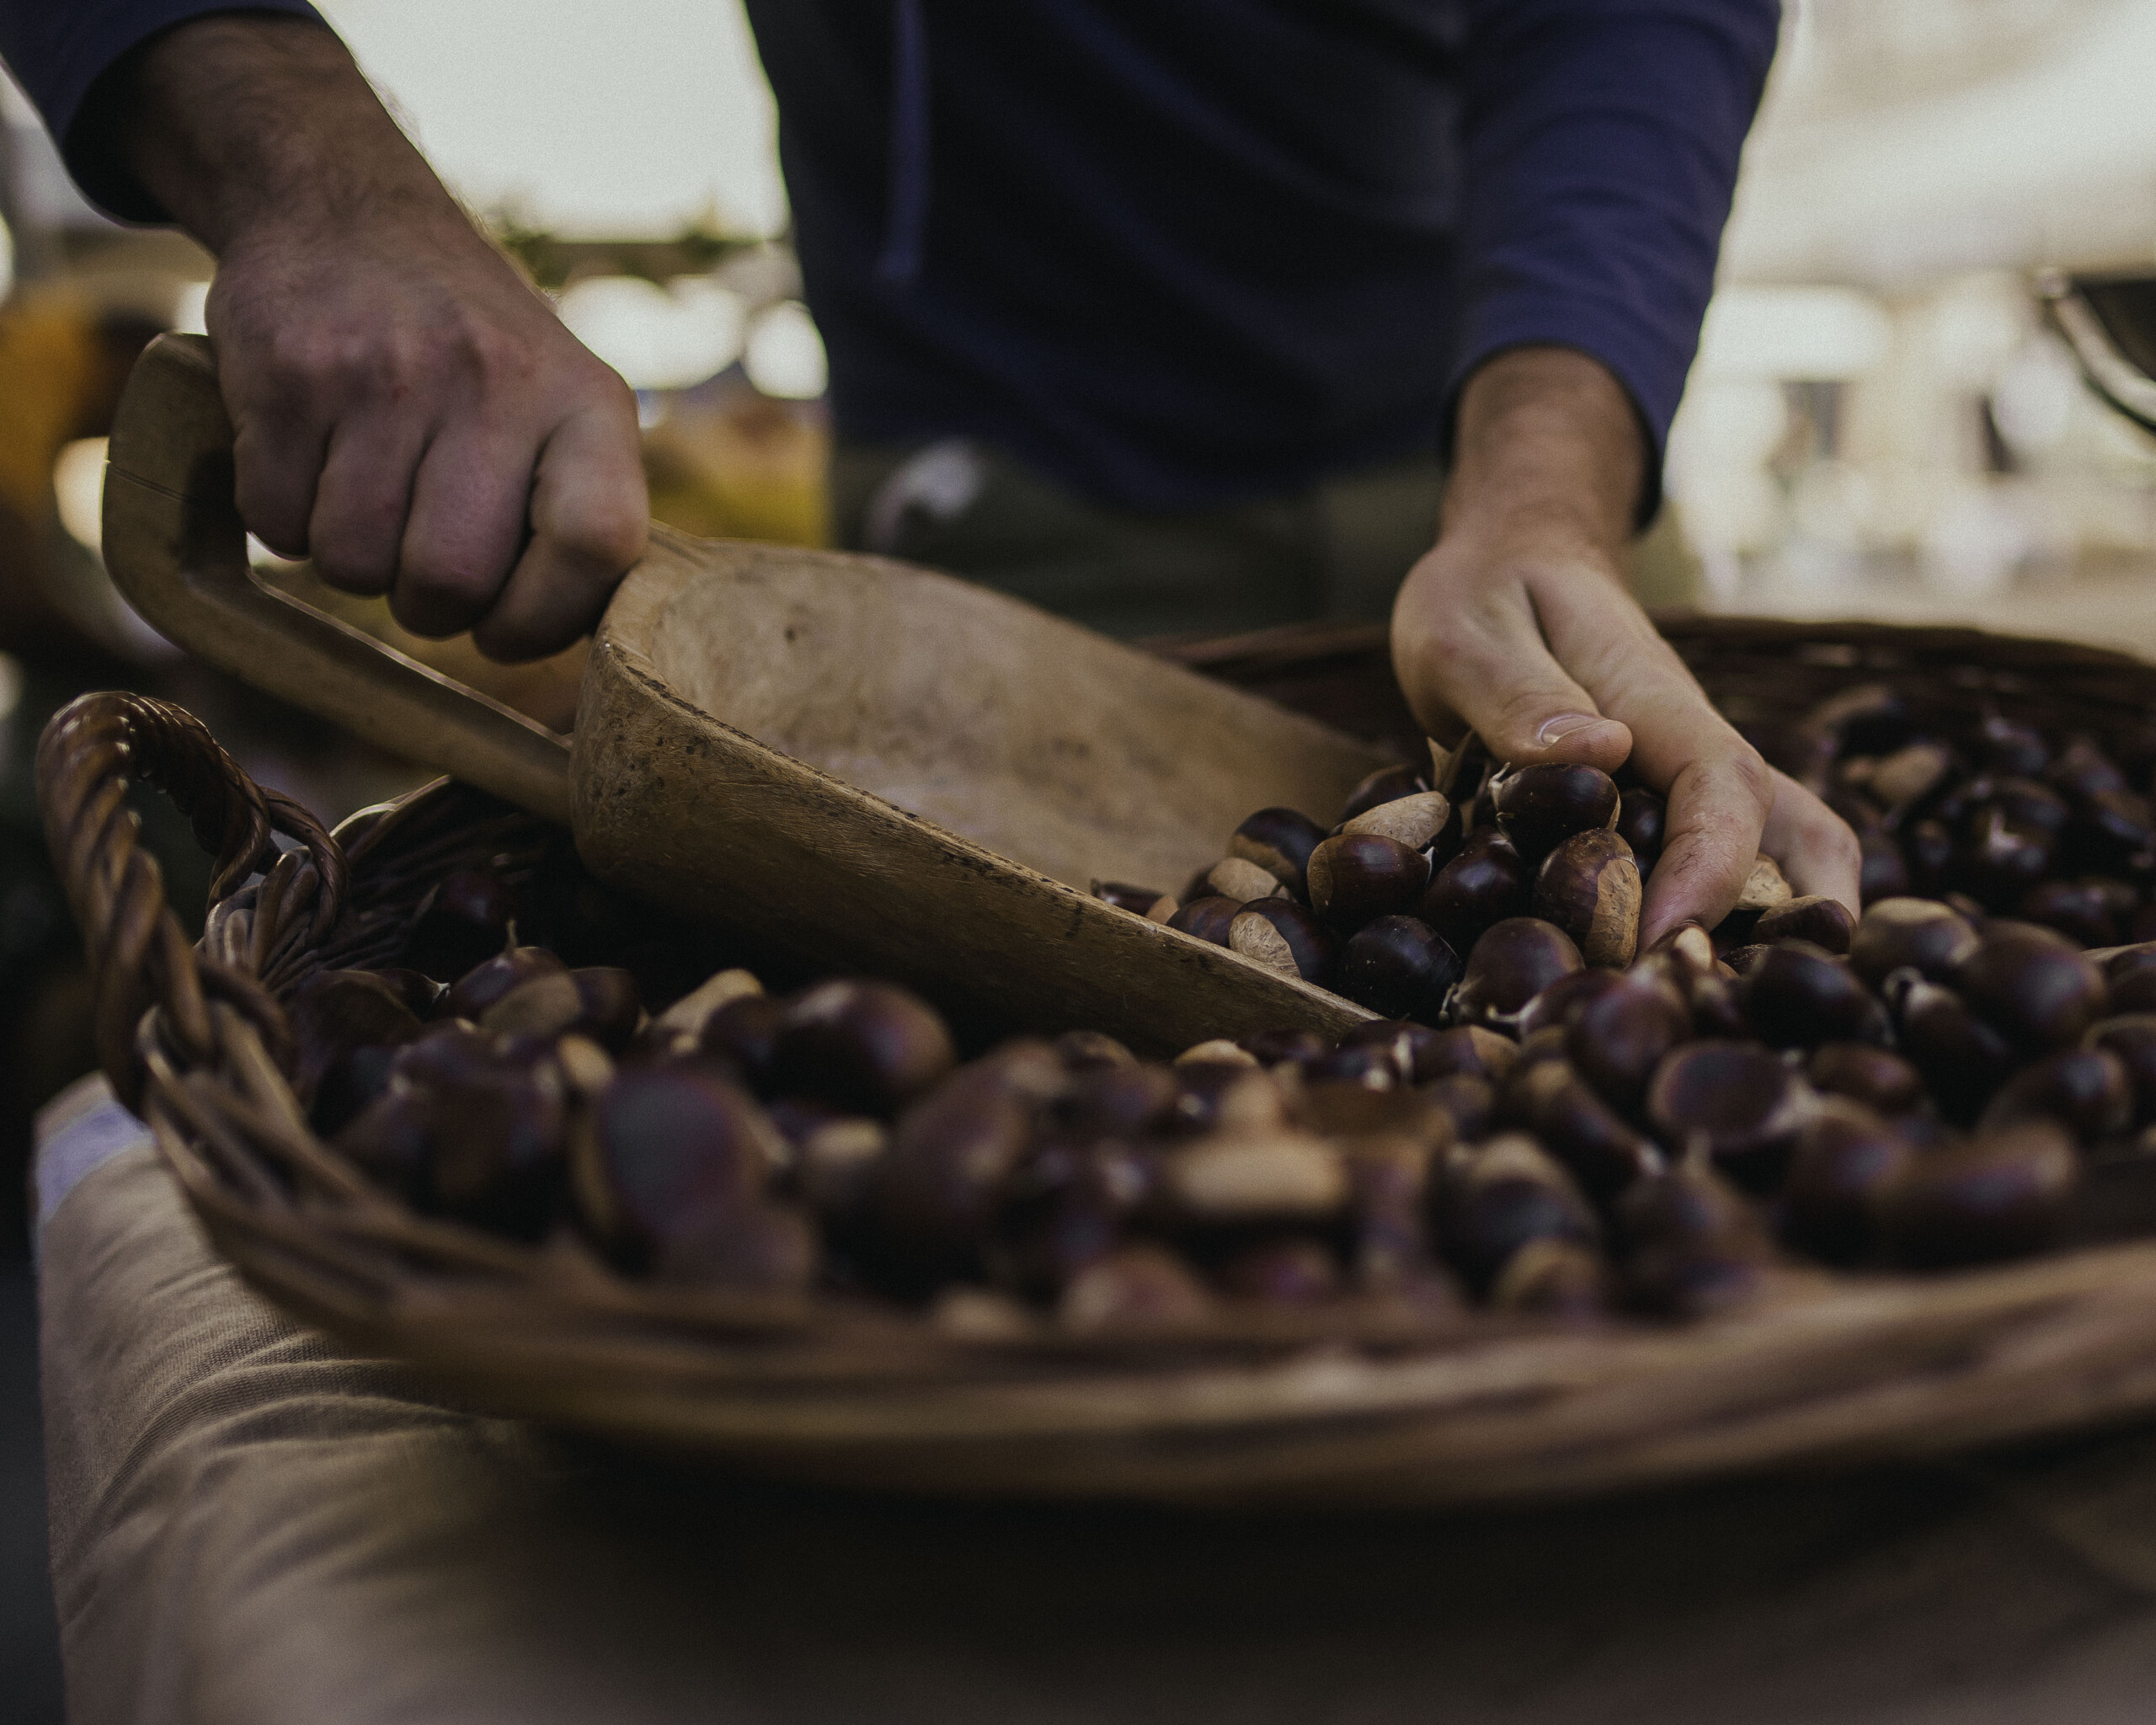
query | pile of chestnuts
(1544,1119)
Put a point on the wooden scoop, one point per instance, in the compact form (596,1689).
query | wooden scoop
(884,769)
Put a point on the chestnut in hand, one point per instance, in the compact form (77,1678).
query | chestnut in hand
(1539,807)
(1589,886)
(1398,966)
(1356,877)
(1820,921)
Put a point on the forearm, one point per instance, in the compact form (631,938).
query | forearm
(1548,446)
(243,121)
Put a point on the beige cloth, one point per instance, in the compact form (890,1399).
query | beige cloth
(251,1527)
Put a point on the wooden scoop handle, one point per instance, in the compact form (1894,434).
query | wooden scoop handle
(175,548)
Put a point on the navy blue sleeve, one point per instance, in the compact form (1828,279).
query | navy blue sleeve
(58,49)
(1601,140)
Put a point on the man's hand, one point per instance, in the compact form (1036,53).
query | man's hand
(1519,625)
(408,411)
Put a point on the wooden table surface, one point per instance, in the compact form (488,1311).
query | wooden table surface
(248,1525)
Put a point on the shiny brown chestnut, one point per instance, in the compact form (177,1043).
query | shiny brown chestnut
(1420,822)
(1085,1050)
(1239,879)
(2085,911)
(1734,1103)
(1561,1002)
(465,919)
(1208,919)
(1466,1049)
(488,980)
(1999,1195)
(936,1190)
(2031,986)
(1822,921)
(1419,1049)
(1398,966)
(2000,859)
(1387,784)
(1281,935)
(1576,1125)
(1284,1047)
(1139,900)
(1845,1157)
(1356,877)
(1693,1246)
(1513,962)
(1495,1197)
(1470,1102)
(1962,1058)
(2132,1039)
(1642,816)
(670,1150)
(498,1133)
(1799,996)
(742,1035)
(2007,745)
(1617,1038)
(1278,841)
(1484,884)
(1872,1076)
(1902,933)
(1589,886)
(1538,807)
(599,1001)
(2089,1091)
(866,1046)
(2081,770)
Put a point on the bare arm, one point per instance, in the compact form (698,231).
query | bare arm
(1519,623)
(409,411)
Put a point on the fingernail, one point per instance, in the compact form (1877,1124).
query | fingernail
(1564,724)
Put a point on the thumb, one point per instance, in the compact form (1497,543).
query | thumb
(1485,662)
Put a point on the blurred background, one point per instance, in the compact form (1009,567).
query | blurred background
(1881,422)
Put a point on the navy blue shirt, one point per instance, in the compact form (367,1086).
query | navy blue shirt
(1180,251)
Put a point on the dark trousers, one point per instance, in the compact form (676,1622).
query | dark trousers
(1338,549)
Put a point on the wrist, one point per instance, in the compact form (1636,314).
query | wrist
(1549,452)
(250,125)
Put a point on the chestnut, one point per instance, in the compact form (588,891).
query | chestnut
(1798,996)
(2086,912)
(1066,1207)
(599,1001)
(2135,992)
(1356,877)
(1291,1271)
(1483,884)
(335,1013)
(2081,770)
(1539,807)
(2111,829)
(1387,784)
(1562,1001)
(423,997)
(1764,888)
(1087,1051)
(2031,986)
(743,1035)
(498,1131)
(1899,933)
(2089,1091)
(1417,821)
(1241,880)
(466,918)
(1735,1103)
(1886,870)
(1467,1050)
(1962,1058)
(1278,841)
(1140,1287)
(1911,773)
(866,1046)
(935,1189)
(1695,1247)
(670,1150)
(1139,900)
(1213,1097)
(1618,1038)
(1513,962)
(488,980)
(689,1015)
(1284,1047)
(1208,919)
(2132,1039)
(1878,1078)
(1824,922)
(1419,1049)
(1718,1007)
(1237,1179)
(1999,1195)
(2000,859)
(1498,1196)
(1216,1051)
(1589,886)
(1642,816)
(1845,1157)
(1470,1102)
(1281,935)
(1126,1102)
(1581,1130)
(1551,1278)
(2006,745)
(1361,1065)
(1398,966)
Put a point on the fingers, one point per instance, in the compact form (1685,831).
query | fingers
(590,518)
(1816,850)
(276,456)
(465,530)
(362,499)
(1718,807)
(1478,655)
